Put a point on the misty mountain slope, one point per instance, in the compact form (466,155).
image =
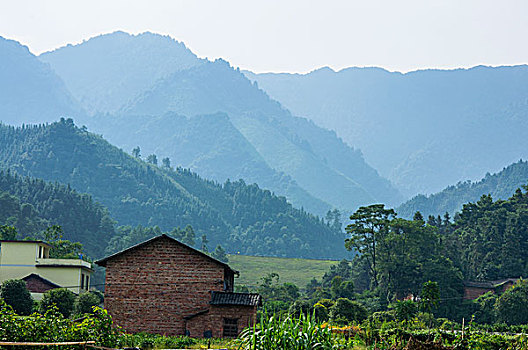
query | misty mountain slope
(209,145)
(500,185)
(241,217)
(343,158)
(106,71)
(425,129)
(30,92)
(215,86)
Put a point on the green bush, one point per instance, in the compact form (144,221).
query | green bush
(447,325)
(426,320)
(405,309)
(346,311)
(300,307)
(511,306)
(321,312)
(99,294)
(62,298)
(485,304)
(16,295)
(85,302)
(321,309)
(380,317)
(53,327)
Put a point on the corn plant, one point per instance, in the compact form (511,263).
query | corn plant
(289,333)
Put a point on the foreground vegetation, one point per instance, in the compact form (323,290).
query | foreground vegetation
(270,333)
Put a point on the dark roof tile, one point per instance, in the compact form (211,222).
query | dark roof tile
(227,298)
(489,284)
(34,276)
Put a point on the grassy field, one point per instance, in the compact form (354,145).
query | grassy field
(297,271)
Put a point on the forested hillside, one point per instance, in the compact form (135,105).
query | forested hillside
(489,238)
(31,92)
(486,241)
(500,186)
(284,152)
(32,205)
(243,218)
(423,130)
(210,145)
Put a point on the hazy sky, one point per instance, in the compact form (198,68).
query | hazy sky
(293,36)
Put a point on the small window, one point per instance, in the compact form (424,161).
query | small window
(82,281)
(230,327)
(40,252)
(87,282)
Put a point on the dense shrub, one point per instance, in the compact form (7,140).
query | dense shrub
(85,302)
(53,327)
(405,309)
(300,306)
(426,320)
(62,298)
(321,309)
(511,306)
(16,294)
(346,311)
(485,308)
(382,316)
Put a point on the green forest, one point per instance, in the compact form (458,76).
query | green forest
(241,217)
(500,185)
(417,268)
(32,205)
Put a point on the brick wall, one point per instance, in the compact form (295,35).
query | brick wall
(474,292)
(471,293)
(213,320)
(153,287)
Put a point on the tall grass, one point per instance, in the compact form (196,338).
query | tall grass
(289,333)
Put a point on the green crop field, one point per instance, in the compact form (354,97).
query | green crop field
(296,271)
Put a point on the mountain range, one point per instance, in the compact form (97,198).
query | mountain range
(423,130)
(318,139)
(259,141)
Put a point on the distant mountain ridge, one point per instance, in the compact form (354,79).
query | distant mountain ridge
(281,146)
(31,92)
(97,71)
(501,185)
(423,130)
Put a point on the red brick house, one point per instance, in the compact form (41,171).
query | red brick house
(472,290)
(164,286)
(37,284)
